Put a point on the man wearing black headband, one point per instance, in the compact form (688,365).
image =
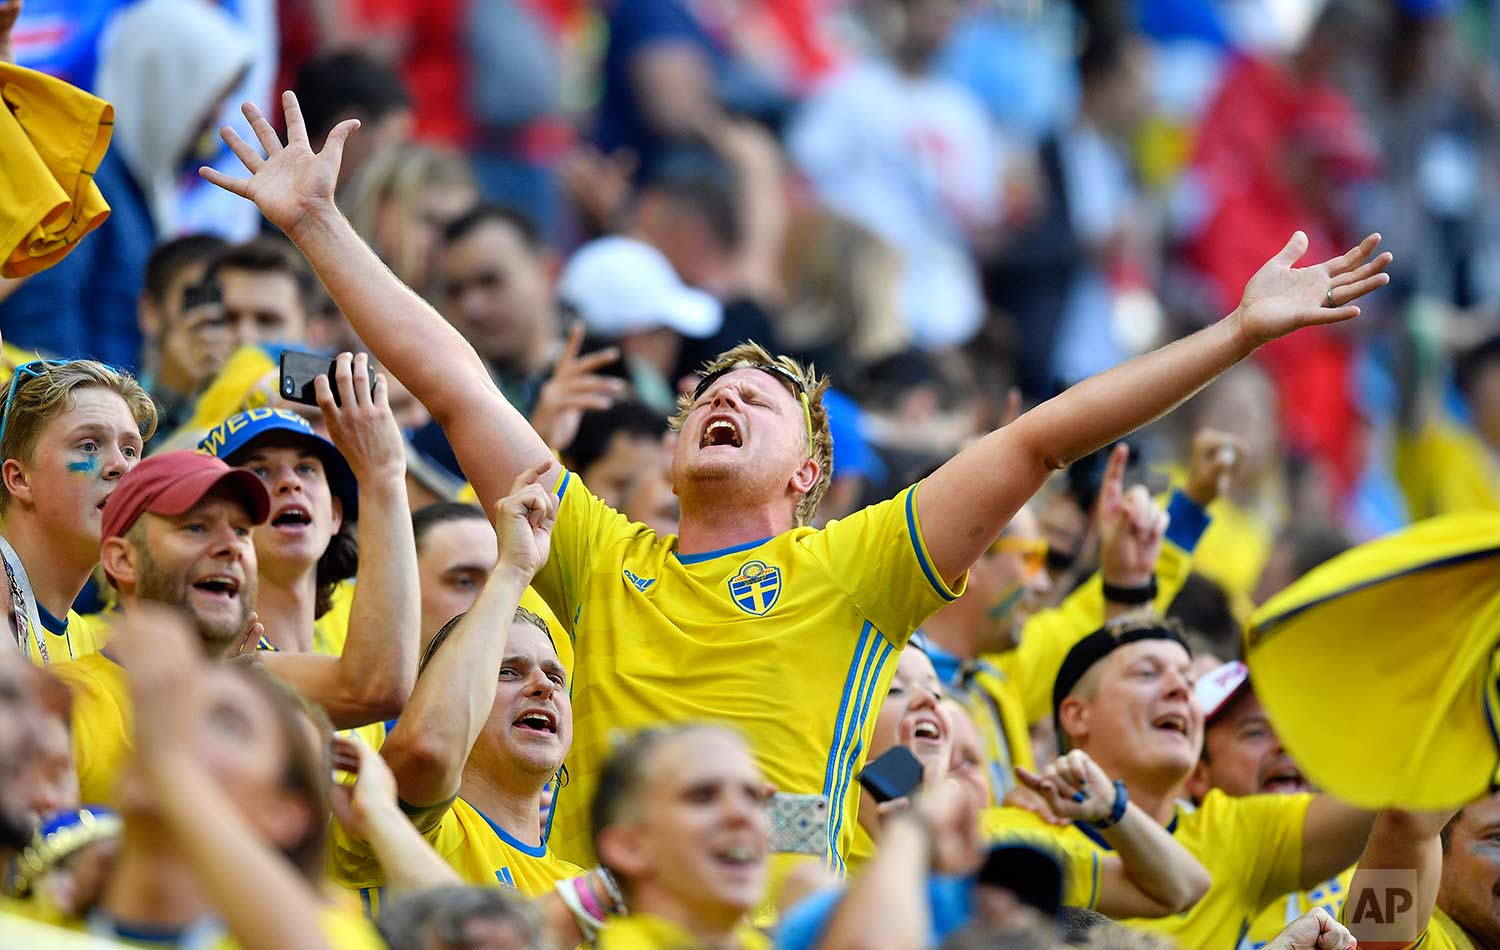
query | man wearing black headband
(1125,696)
(749,599)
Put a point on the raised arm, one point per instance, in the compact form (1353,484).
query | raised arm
(1333,834)
(431,742)
(373,677)
(293,187)
(1401,841)
(964,505)
(369,810)
(1150,874)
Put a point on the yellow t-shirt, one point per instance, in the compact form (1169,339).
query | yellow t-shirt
(792,640)
(103,724)
(53,137)
(1444,467)
(644,932)
(1273,919)
(1252,849)
(478,850)
(343,929)
(1079,860)
(72,639)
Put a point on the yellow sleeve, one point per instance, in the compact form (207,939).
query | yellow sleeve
(1265,832)
(1048,636)
(585,528)
(102,729)
(1078,858)
(879,558)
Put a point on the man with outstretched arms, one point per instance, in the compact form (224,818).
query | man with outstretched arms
(749,600)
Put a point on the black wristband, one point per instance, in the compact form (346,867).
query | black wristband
(1122,801)
(1144,594)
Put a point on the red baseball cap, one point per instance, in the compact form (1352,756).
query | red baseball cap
(172,483)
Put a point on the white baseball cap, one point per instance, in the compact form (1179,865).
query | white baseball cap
(620,286)
(1218,686)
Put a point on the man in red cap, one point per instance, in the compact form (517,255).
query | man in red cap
(177,530)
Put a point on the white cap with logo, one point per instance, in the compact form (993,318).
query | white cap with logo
(620,286)
(1218,686)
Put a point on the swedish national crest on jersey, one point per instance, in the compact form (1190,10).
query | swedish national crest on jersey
(756,588)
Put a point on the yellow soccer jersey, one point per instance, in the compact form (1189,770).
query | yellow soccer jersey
(478,850)
(103,724)
(1079,859)
(644,932)
(1252,849)
(71,639)
(1269,922)
(792,640)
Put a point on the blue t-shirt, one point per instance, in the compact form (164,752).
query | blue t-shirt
(949,899)
(635,25)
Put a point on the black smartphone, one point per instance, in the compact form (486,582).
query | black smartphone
(298,370)
(896,774)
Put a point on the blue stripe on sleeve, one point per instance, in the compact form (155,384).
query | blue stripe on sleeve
(916,545)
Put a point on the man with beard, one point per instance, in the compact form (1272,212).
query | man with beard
(1242,755)
(178,531)
(1430,880)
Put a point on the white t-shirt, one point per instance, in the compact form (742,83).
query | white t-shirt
(915,160)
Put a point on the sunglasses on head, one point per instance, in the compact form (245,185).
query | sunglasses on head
(23,372)
(799,388)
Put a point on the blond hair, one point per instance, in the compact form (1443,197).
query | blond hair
(46,391)
(751,355)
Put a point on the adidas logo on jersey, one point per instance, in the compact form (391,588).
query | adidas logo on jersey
(639,583)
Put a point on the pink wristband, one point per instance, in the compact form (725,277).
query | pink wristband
(587,899)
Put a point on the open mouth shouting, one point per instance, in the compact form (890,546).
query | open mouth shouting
(1285,779)
(1173,723)
(721,430)
(293,518)
(538,720)
(218,588)
(924,729)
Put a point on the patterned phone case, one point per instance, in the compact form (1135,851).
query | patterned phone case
(799,824)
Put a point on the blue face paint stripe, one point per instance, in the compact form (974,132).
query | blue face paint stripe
(883,652)
(840,740)
(88,465)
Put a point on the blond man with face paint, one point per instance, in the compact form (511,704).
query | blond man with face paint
(69,430)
